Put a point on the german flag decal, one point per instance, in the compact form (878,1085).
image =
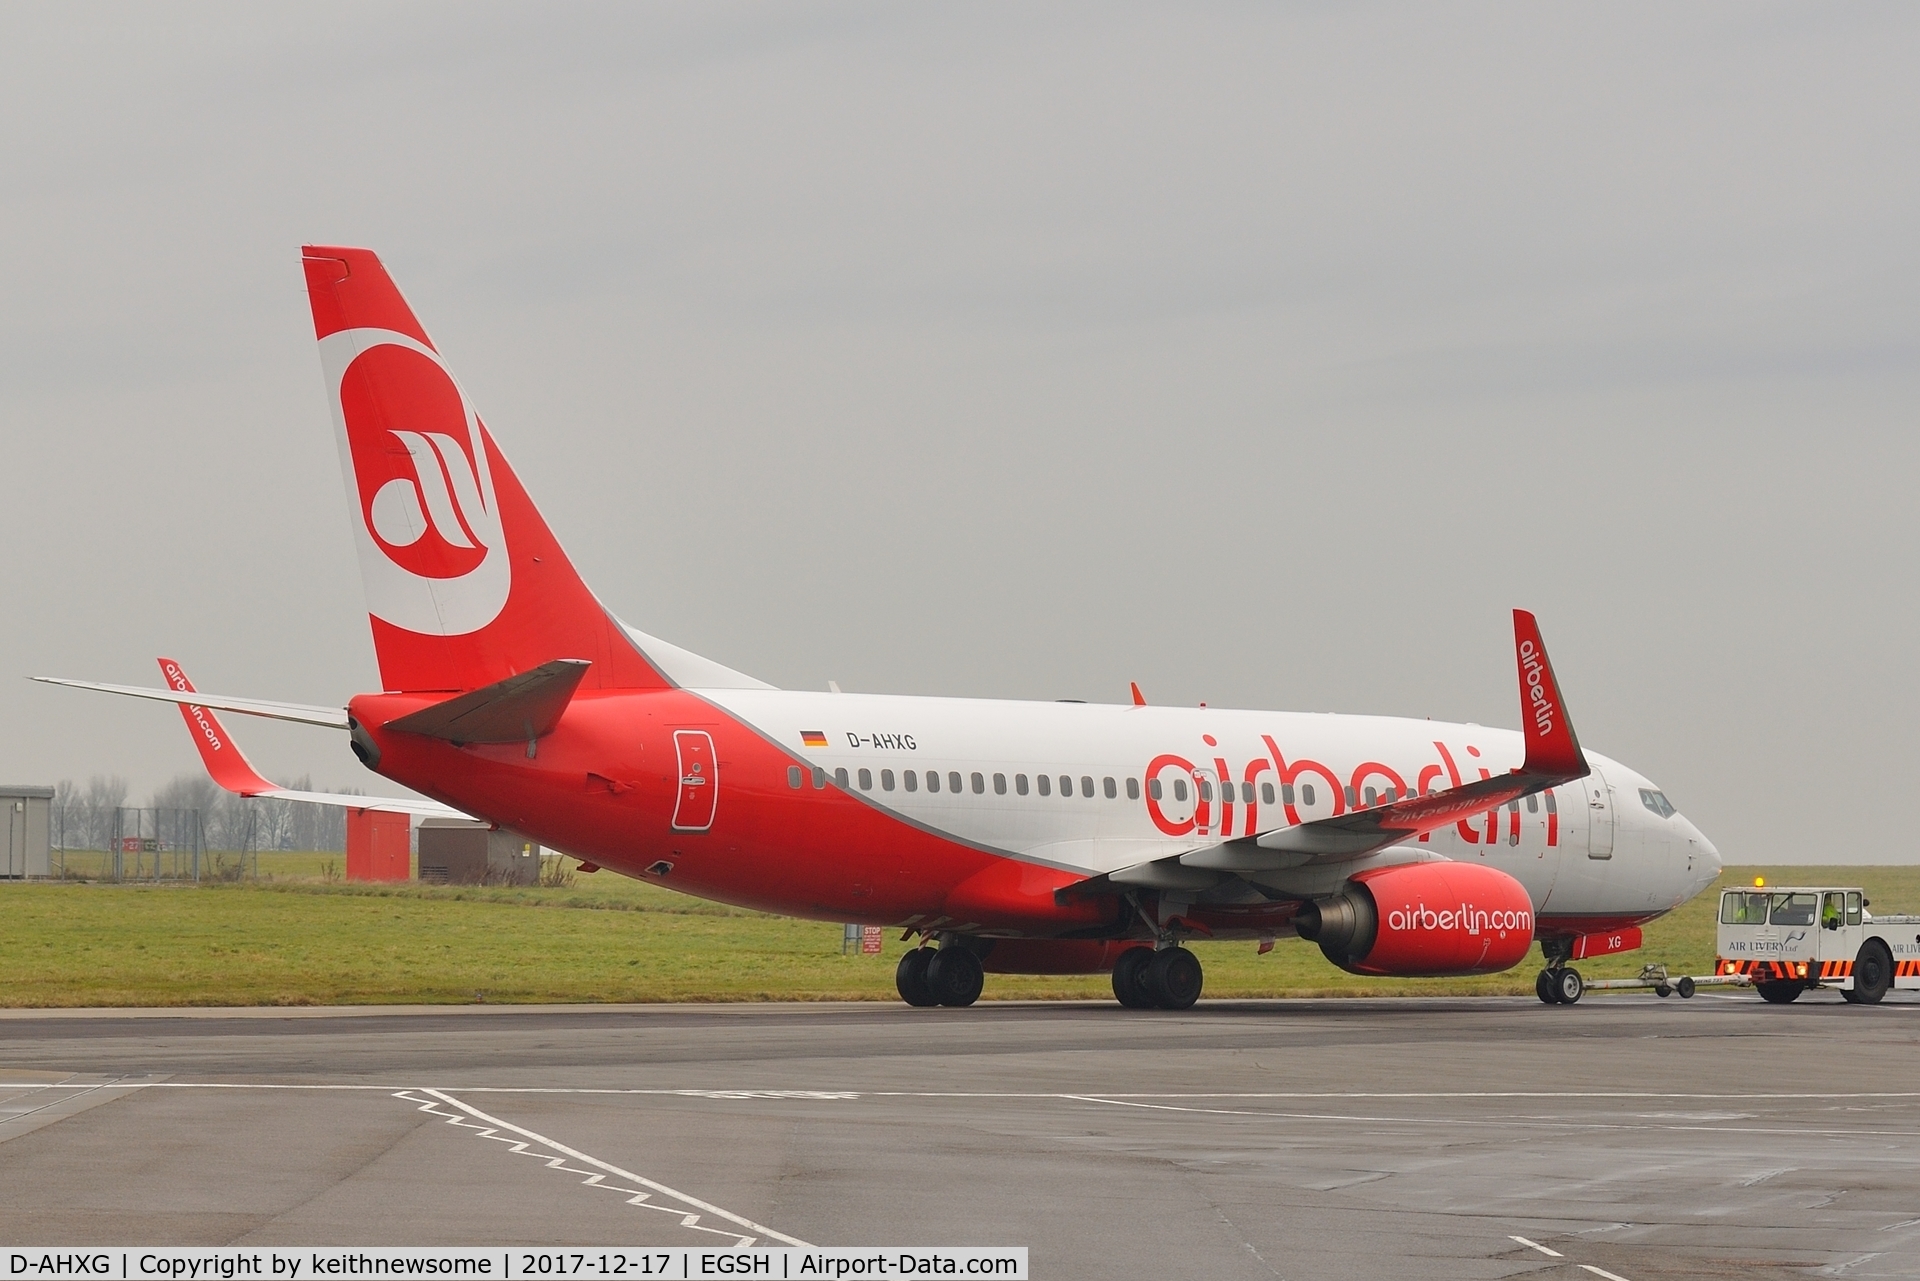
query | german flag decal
(812,738)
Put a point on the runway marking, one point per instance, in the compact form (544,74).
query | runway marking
(639,1198)
(1602,1272)
(1506,1123)
(1535,1245)
(993,1094)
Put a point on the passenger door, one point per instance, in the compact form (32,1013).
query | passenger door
(1599,815)
(699,780)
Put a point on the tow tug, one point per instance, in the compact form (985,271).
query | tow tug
(1788,939)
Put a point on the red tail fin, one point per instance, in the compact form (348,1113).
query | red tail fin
(465,583)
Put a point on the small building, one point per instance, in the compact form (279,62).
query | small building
(457,851)
(28,848)
(377,846)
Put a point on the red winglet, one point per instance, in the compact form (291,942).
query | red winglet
(1551,745)
(1139,699)
(217,749)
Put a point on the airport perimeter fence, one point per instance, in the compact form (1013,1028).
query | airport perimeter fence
(154,844)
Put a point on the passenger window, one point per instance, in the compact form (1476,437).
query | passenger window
(1086,786)
(1853,907)
(1353,802)
(866,780)
(1020,784)
(1306,793)
(1246,793)
(999,784)
(1066,785)
(1533,804)
(1547,796)
(886,780)
(980,785)
(933,780)
(1108,786)
(911,780)
(1833,911)
(1206,789)
(1373,797)
(953,780)
(1286,793)
(840,776)
(1046,784)
(819,777)
(1266,793)
(1133,789)
(1179,789)
(793,776)
(1155,790)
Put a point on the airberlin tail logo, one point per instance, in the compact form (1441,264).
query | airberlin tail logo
(432,551)
(1534,670)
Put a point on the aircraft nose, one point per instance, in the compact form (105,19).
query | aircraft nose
(1706,856)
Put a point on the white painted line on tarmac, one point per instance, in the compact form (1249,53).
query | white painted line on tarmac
(1535,1245)
(1306,1095)
(1602,1272)
(706,1207)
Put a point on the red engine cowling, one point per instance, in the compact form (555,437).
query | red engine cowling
(1423,920)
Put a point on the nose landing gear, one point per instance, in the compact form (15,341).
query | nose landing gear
(1559,983)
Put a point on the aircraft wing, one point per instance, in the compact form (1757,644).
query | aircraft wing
(1553,757)
(231,769)
(302,713)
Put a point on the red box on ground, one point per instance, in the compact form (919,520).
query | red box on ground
(377,846)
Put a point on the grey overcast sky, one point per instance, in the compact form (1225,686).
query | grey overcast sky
(1265,354)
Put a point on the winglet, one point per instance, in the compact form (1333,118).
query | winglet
(1552,747)
(1139,699)
(217,749)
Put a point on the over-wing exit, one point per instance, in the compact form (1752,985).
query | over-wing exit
(1008,837)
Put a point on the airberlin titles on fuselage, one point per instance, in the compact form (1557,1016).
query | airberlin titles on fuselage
(1242,794)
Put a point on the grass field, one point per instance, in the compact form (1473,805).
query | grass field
(301,939)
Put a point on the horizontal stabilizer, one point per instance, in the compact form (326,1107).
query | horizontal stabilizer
(301,713)
(516,710)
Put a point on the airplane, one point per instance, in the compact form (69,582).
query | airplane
(1005,836)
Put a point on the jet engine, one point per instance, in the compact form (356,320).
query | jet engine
(1422,920)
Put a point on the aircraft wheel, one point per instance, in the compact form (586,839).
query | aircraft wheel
(910,977)
(955,976)
(1686,987)
(1129,973)
(1662,991)
(1173,978)
(1780,991)
(1569,986)
(1872,973)
(1544,988)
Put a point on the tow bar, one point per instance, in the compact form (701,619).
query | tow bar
(1656,977)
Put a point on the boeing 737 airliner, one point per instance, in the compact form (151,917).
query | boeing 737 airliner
(1008,837)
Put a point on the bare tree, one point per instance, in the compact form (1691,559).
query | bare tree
(99,804)
(65,814)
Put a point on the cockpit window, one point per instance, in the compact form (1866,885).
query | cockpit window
(1738,907)
(1657,802)
(1793,909)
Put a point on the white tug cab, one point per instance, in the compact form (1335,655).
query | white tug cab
(1787,939)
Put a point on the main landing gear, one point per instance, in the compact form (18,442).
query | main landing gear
(1559,983)
(1165,979)
(952,975)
